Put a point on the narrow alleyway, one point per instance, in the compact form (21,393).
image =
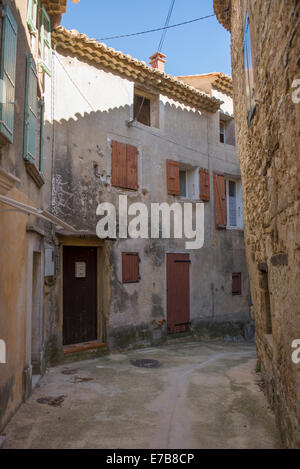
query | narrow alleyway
(205,395)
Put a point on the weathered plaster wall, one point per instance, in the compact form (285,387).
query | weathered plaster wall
(84,129)
(269,156)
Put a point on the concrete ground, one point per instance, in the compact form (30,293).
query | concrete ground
(205,395)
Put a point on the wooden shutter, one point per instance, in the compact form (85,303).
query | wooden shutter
(8,73)
(32,15)
(237,284)
(220,201)
(130,267)
(204,185)
(42,123)
(30,111)
(118,164)
(45,42)
(132,167)
(173,180)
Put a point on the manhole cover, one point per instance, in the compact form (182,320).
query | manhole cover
(146,363)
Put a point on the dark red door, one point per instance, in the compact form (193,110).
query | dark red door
(178,292)
(79,294)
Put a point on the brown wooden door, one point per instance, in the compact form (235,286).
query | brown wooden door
(79,294)
(178,292)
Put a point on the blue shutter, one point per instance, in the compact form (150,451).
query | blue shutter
(41,165)
(8,73)
(30,111)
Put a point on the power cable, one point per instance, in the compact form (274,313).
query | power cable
(157,29)
(166,26)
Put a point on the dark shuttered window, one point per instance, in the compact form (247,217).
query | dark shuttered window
(130,267)
(237,284)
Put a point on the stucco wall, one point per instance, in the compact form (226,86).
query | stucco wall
(93,109)
(269,156)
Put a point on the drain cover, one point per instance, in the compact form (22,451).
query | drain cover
(146,363)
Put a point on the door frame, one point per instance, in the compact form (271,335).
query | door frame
(85,242)
(166,280)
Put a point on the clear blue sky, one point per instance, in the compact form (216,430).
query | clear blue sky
(200,47)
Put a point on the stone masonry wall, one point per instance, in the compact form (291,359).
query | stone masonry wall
(270,165)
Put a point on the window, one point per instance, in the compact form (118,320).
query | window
(234,202)
(236,284)
(248,66)
(32,16)
(124,171)
(222,131)
(146,108)
(8,75)
(227,129)
(45,42)
(130,267)
(182,182)
(142,109)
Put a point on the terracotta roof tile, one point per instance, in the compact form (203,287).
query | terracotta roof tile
(55,7)
(83,47)
(222,10)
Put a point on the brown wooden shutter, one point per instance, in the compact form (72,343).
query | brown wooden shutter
(220,201)
(132,167)
(118,164)
(173,180)
(237,284)
(130,267)
(204,185)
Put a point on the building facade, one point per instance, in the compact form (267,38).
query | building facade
(25,73)
(265,41)
(125,129)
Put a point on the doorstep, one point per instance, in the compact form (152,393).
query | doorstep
(75,348)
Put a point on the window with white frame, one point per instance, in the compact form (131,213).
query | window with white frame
(45,42)
(234,202)
(189,182)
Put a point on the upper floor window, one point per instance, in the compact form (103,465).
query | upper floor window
(45,41)
(248,64)
(124,165)
(228,202)
(227,129)
(145,108)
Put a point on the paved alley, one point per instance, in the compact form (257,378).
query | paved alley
(204,395)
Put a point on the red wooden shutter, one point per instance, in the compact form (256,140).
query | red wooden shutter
(220,201)
(237,284)
(118,164)
(132,167)
(130,267)
(173,181)
(204,185)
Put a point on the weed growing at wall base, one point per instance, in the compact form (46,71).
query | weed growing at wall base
(185,217)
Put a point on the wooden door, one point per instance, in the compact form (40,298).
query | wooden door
(79,294)
(178,292)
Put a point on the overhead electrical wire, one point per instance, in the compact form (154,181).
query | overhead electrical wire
(161,42)
(157,29)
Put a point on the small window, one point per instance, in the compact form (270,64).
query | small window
(236,284)
(222,131)
(182,181)
(232,203)
(142,109)
(130,267)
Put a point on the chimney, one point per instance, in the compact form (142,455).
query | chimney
(157,60)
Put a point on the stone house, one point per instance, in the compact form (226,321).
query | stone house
(265,42)
(123,128)
(25,73)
